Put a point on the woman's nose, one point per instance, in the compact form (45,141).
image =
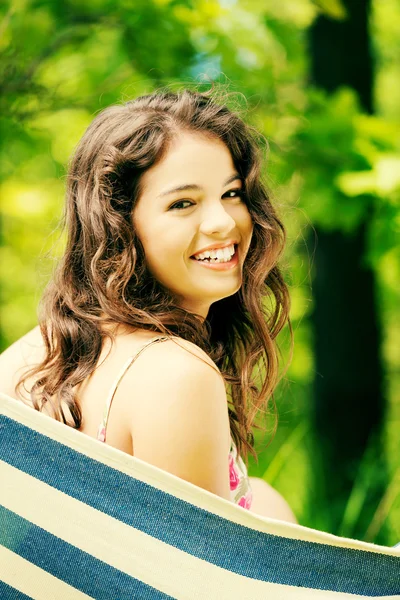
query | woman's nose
(216,219)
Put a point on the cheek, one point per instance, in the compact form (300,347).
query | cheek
(162,247)
(246,222)
(247,227)
(164,256)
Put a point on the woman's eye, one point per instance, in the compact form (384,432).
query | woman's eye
(173,206)
(236,193)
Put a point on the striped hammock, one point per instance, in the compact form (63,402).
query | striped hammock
(80,519)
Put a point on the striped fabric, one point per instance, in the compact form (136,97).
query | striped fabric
(80,519)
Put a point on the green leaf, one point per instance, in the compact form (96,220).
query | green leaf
(356,183)
(383,179)
(332,8)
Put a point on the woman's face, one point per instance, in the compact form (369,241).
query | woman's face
(189,201)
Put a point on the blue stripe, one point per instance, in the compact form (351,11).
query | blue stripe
(9,593)
(198,532)
(69,564)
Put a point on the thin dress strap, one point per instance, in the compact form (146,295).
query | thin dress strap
(101,432)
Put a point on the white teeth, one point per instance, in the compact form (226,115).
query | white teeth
(222,254)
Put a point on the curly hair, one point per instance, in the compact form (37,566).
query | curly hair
(102,277)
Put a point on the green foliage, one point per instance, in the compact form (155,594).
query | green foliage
(332,8)
(329,165)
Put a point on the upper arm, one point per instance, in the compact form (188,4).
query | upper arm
(268,502)
(179,416)
(17,358)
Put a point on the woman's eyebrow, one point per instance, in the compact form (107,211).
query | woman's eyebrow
(193,186)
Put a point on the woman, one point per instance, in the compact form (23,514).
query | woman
(166,298)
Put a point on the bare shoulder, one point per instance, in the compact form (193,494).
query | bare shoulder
(178,349)
(177,412)
(175,364)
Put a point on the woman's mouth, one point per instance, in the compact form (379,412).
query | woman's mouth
(219,264)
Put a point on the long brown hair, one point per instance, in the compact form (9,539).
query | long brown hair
(102,278)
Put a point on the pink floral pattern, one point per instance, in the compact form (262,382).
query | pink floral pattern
(246,500)
(233,473)
(101,434)
(241,491)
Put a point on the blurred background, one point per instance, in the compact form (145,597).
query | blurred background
(321,81)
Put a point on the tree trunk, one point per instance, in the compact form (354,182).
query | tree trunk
(348,399)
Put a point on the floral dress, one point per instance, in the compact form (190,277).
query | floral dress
(241,492)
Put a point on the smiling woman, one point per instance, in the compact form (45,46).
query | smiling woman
(155,320)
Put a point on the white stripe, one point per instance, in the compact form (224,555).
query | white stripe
(171,484)
(31,580)
(157,564)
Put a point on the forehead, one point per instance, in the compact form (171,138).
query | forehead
(191,158)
